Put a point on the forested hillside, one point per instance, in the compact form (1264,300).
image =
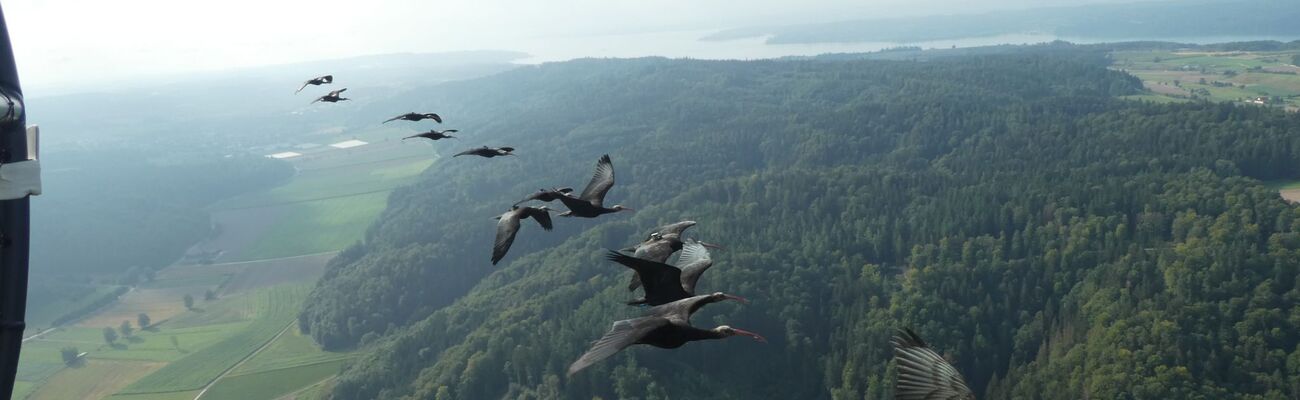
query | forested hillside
(1053,241)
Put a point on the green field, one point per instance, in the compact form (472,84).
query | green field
(22,389)
(277,308)
(182,395)
(318,226)
(292,349)
(1241,76)
(328,204)
(345,176)
(325,207)
(93,380)
(274,383)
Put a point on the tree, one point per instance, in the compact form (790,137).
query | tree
(110,336)
(189,302)
(70,354)
(142,320)
(209,295)
(126,328)
(176,342)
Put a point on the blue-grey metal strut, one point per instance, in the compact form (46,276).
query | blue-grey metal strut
(14,218)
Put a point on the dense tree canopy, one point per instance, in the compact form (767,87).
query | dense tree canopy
(1054,241)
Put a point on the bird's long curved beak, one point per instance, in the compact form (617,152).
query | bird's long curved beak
(739,299)
(756,336)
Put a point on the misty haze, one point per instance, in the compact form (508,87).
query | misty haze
(881,199)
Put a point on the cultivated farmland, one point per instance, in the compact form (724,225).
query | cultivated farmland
(277,308)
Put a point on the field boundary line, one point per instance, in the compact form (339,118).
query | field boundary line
(326,361)
(285,203)
(232,263)
(435,158)
(244,360)
(308,387)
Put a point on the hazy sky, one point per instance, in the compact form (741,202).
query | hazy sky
(61,42)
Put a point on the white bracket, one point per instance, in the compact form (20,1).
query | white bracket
(23,178)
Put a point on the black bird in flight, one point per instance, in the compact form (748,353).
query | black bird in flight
(434,134)
(411,116)
(659,245)
(487,152)
(317,81)
(546,195)
(332,97)
(508,227)
(923,374)
(590,204)
(665,283)
(667,326)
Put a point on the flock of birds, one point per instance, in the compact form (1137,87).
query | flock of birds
(668,290)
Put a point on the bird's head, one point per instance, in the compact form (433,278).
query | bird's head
(728,331)
(719,296)
(620,207)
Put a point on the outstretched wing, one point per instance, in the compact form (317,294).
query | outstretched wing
(507,228)
(336,93)
(435,117)
(600,183)
(542,216)
(300,88)
(623,334)
(923,374)
(327,79)
(467,152)
(449,130)
(694,261)
(657,250)
(393,119)
(662,281)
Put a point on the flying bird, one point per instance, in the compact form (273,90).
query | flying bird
(667,326)
(487,152)
(434,134)
(546,195)
(659,245)
(665,283)
(590,204)
(923,374)
(317,81)
(508,227)
(332,97)
(411,116)
(661,242)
